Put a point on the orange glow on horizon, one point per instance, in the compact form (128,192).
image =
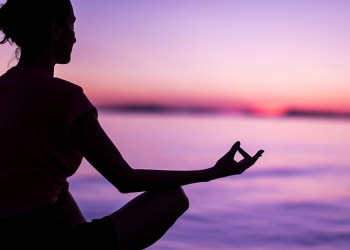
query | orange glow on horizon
(269,110)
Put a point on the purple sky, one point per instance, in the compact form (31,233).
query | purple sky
(268,54)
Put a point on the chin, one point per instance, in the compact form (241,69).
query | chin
(63,60)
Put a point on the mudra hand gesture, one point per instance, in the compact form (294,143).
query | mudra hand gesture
(227,165)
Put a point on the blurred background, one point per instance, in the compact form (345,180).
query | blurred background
(176,82)
(264,55)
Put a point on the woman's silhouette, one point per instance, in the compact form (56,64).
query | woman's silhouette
(47,125)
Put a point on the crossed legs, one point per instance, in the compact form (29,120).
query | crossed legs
(143,220)
(146,218)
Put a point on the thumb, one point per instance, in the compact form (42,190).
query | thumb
(257,155)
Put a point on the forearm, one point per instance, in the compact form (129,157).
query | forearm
(138,180)
(94,144)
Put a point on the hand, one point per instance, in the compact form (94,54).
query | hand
(227,166)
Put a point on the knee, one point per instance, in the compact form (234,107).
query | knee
(181,199)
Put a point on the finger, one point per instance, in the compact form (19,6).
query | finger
(244,153)
(231,153)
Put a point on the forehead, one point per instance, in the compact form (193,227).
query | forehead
(71,15)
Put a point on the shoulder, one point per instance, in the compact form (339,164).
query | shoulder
(64,85)
(34,80)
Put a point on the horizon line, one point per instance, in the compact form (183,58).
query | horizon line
(201,109)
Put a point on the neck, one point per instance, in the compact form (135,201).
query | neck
(43,61)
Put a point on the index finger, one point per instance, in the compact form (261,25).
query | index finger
(231,153)
(243,153)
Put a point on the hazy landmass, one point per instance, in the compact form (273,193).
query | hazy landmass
(157,108)
(166,109)
(316,114)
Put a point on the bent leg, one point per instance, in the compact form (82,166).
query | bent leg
(146,218)
(74,214)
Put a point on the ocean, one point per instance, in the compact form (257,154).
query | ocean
(296,197)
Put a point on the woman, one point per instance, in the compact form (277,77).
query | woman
(47,125)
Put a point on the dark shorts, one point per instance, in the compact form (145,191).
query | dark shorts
(47,228)
(97,234)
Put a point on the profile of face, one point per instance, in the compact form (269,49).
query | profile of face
(64,45)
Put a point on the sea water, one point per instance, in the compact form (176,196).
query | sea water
(297,196)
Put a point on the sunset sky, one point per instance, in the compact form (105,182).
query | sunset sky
(264,54)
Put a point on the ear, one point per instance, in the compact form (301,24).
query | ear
(55,30)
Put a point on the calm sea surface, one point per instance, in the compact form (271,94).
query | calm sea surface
(297,196)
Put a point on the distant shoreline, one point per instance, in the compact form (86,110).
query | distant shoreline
(316,114)
(167,109)
(155,108)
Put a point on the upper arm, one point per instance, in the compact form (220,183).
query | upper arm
(91,140)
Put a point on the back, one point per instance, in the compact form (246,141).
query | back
(36,112)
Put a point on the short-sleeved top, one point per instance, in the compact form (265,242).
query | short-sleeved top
(36,155)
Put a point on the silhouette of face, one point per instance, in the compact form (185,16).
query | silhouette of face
(64,45)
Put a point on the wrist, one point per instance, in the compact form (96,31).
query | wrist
(209,174)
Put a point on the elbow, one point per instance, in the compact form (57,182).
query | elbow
(124,183)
